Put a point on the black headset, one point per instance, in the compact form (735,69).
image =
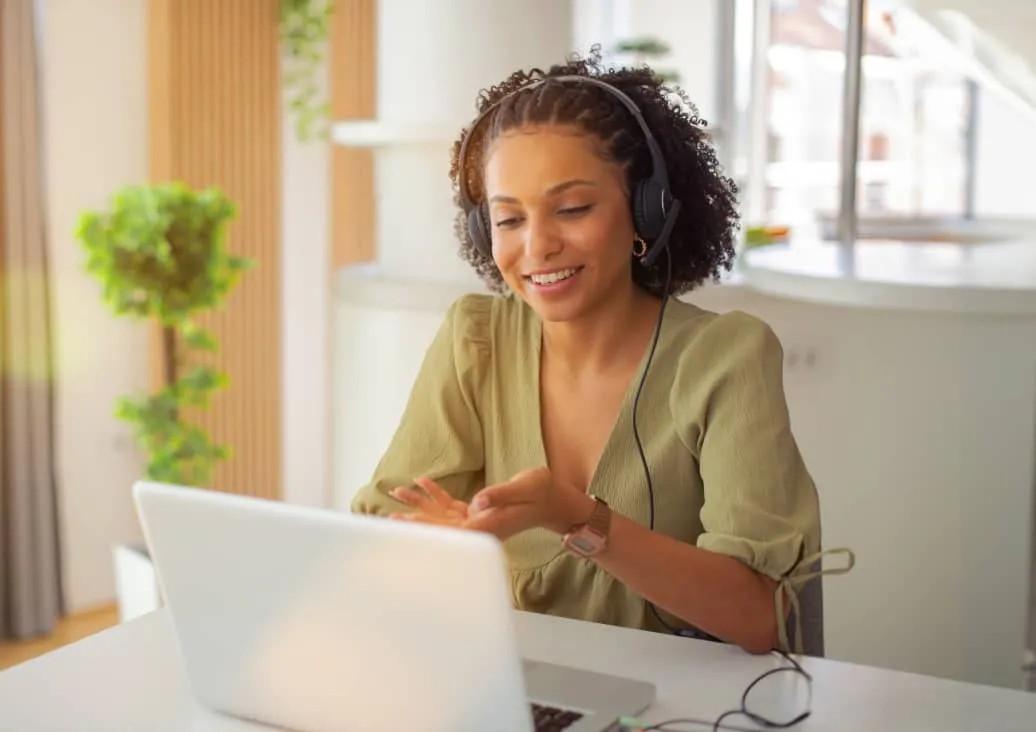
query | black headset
(652,204)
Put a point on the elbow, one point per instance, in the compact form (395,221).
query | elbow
(760,640)
(760,632)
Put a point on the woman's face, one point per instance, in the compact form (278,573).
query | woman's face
(559,213)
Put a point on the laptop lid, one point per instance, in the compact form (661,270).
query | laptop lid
(321,620)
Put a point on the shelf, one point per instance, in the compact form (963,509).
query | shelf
(366,285)
(992,278)
(374,133)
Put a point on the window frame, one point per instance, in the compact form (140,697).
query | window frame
(743,83)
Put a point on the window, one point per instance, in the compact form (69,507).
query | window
(914,121)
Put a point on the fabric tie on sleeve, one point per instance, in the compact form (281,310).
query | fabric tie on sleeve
(793,581)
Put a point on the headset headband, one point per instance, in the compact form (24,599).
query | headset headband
(658,169)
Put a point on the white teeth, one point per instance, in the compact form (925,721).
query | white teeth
(552,277)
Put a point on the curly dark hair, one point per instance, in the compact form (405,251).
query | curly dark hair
(702,243)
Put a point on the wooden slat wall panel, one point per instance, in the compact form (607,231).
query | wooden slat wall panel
(353,80)
(3,207)
(215,105)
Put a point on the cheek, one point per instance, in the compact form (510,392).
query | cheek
(605,237)
(507,254)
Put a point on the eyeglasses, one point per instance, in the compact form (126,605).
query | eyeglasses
(778,698)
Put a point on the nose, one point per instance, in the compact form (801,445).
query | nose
(542,240)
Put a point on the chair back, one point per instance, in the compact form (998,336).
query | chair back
(811,607)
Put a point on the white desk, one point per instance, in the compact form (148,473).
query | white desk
(131,679)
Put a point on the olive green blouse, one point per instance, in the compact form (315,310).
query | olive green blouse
(726,472)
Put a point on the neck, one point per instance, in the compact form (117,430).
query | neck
(606,339)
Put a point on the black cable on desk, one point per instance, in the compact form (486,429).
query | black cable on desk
(718,723)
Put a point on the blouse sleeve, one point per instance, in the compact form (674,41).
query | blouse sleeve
(440,433)
(761,504)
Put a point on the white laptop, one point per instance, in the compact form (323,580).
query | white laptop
(323,621)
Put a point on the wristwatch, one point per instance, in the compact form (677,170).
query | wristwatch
(590,538)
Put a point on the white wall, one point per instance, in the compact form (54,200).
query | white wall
(689,27)
(1004,158)
(593,23)
(95,136)
(305,313)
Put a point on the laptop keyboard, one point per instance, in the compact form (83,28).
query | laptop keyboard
(551,719)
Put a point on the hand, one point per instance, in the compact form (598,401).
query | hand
(531,499)
(433,504)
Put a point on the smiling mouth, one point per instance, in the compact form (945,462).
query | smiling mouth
(550,278)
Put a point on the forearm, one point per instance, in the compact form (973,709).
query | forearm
(717,594)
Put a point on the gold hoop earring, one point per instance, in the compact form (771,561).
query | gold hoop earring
(640,247)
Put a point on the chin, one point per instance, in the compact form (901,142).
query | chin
(560,310)
(556,314)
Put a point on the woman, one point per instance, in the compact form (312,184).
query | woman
(521,420)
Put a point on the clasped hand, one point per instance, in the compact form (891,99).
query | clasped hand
(531,499)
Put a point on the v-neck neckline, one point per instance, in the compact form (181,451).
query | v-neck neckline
(624,416)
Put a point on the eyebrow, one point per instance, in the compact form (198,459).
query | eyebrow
(552,191)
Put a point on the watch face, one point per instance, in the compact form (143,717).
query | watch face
(583,544)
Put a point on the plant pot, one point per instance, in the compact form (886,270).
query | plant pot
(136,584)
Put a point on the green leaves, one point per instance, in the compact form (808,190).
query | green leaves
(648,48)
(160,252)
(304,30)
(643,46)
(194,387)
(197,338)
(177,452)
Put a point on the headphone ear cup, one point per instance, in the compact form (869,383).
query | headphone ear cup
(650,201)
(478,231)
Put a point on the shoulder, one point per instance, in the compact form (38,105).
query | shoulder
(481,324)
(469,316)
(720,337)
(482,316)
(708,348)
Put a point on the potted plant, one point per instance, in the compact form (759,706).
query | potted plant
(159,253)
(647,50)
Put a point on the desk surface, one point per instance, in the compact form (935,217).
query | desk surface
(131,678)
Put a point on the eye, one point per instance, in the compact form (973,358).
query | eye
(573,211)
(508,223)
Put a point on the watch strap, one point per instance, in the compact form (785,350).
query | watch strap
(600,520)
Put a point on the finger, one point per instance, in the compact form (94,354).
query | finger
(415,498)
(437,494)
(407,495)
(502,494)
(423,518)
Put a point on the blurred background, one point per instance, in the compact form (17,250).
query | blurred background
(310,142)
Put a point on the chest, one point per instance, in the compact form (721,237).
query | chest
(583,431)
(577,420)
